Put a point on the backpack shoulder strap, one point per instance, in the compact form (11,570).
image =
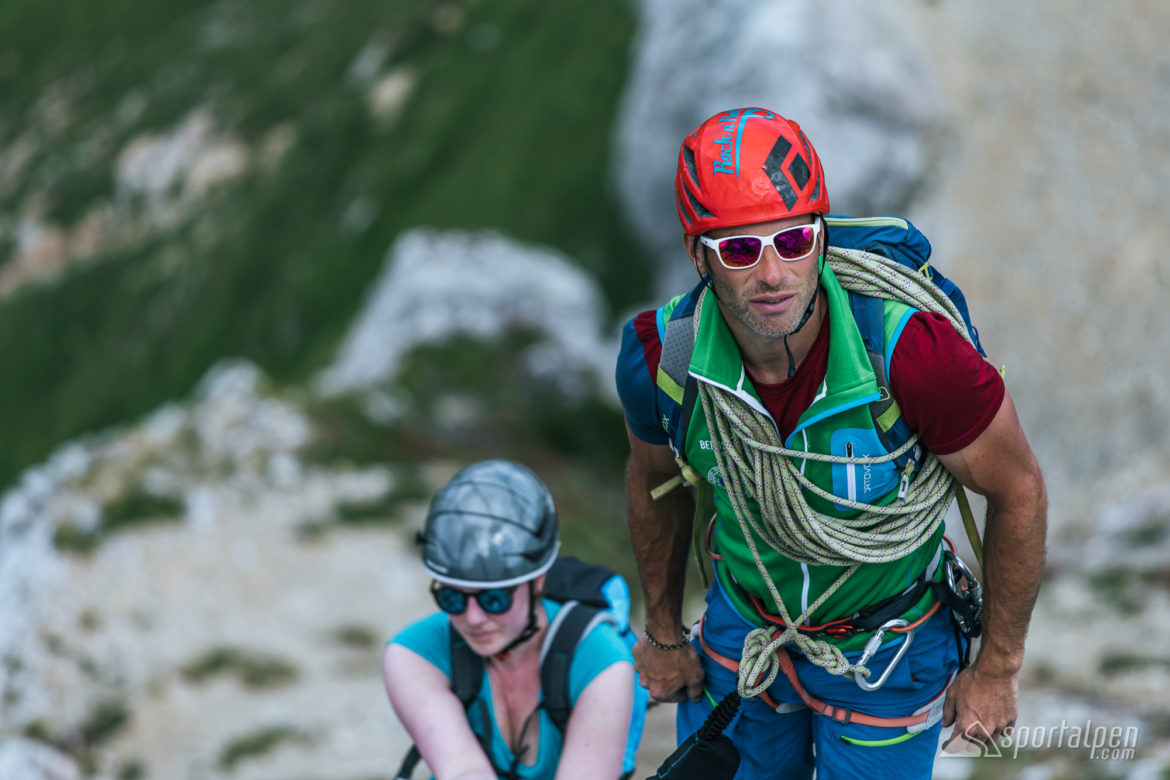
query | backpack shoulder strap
(682,391)
(406,769)
(891,428)
(678,342)
(466,670)
(898,240)
(573,621)
(674,378)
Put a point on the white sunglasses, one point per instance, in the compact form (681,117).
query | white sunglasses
(740,252)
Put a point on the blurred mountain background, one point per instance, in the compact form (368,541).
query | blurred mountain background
(271,272)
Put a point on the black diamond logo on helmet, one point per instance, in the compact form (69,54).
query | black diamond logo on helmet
(799,171)
(774,168)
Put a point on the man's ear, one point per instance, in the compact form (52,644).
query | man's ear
(696,253)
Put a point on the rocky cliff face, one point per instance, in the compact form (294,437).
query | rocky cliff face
(1053,136)
(855,77)
(228,614)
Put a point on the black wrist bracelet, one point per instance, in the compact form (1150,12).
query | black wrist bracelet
(679,645)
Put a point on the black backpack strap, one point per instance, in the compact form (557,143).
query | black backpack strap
(573,621)
(408,764)
(466,670)
(466,680)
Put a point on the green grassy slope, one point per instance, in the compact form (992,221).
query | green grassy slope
(508,126)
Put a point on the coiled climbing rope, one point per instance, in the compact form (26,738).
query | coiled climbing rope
(754,462)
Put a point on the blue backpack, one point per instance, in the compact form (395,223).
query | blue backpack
(589,593)
(891,237)
(898,240)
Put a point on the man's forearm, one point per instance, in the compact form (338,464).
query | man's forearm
(660,537)
(1013,568)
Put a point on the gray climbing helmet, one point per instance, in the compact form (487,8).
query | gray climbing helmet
(492,525)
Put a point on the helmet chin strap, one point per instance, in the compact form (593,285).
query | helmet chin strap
(791,360)
(807,313)
(706,279)
(529,630)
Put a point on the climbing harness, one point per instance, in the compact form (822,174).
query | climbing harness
(958,590)
(920,720)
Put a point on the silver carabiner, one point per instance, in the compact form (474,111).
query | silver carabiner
(972,595)
(957,565)
(871,648)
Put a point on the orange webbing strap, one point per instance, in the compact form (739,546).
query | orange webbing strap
(727,663)
(827,628)
(839,714)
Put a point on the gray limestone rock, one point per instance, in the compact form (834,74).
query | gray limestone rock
(854,78)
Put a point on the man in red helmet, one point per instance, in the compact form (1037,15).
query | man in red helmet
(830,561)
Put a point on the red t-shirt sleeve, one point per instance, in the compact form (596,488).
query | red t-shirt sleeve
(947,391)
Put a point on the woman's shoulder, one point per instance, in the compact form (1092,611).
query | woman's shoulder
(605,640)
(430,638)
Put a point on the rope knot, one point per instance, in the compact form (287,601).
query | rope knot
(758,666)
(760,661)
(829,657)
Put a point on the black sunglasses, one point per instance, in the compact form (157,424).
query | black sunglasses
(494,601)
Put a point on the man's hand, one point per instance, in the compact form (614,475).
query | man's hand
(1000,466)
(669,675)
(981,706)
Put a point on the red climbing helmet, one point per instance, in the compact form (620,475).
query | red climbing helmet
(745,166)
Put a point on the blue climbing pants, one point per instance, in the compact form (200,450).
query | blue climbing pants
(792,741)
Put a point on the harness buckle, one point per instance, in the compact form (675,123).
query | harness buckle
(871,648)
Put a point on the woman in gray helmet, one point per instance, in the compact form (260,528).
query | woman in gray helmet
(490,537)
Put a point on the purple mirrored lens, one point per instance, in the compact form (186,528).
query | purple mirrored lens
(741,251)
(794,242)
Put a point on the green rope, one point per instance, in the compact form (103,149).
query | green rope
(754,462)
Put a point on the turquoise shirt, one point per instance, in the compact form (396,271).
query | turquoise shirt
(598,650)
